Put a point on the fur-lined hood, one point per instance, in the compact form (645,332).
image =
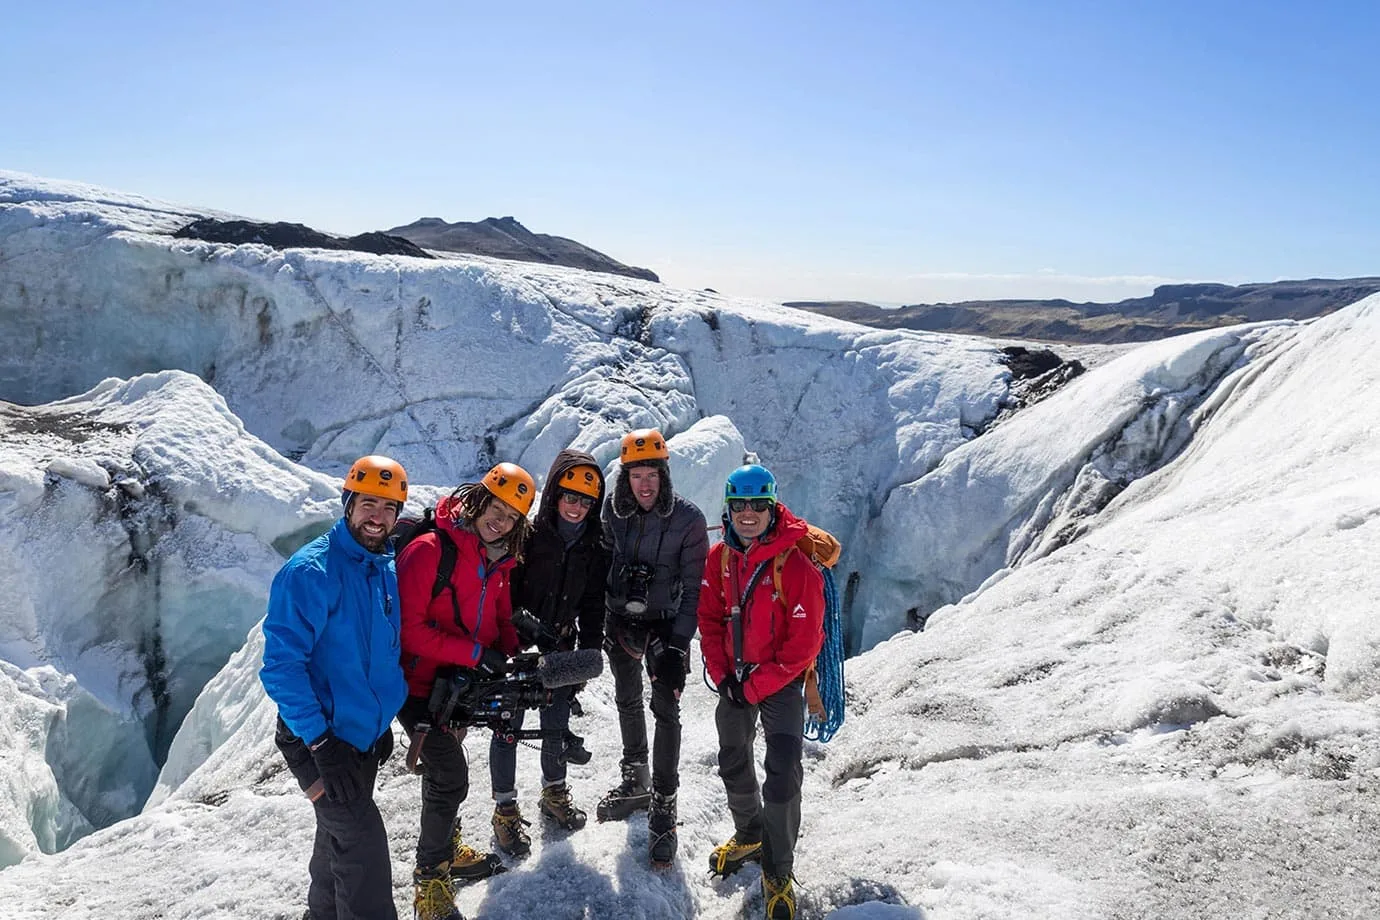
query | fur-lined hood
(625,504)
(551,491)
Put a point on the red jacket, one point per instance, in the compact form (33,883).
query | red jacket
(781,635)
(430,636)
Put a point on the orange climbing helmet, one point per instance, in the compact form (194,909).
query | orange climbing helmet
(512,485)
(376,475)
(583,479)
(642,445)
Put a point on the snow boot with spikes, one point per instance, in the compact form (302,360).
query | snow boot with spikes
(729,857)
(633,794)
(661,830)
(557,805)
(434,894)
(509,830)
(779,897)
(468,864)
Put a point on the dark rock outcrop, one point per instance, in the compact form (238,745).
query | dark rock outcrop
(1172,309)
(505,238)
(288,236)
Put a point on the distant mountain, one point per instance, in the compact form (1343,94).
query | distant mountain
(505,238)
(1172,309)
(287,236)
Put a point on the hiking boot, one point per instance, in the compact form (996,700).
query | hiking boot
(434,894)
(508,830)
(779,895)
(557,805)
(468,864)
(661,829)
(633,794)
(729,857)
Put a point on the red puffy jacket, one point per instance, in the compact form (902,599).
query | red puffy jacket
(781,635)
(430,636)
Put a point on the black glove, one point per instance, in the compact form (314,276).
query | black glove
(383,748)
(492,662)
(731,689)
(338,764)
(670,664)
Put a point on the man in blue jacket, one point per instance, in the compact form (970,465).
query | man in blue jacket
(332,664)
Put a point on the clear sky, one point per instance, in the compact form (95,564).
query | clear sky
(896,152)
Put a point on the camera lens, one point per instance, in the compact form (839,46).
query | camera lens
(639,581)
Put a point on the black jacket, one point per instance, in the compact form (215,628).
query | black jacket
(564,586)
(671,538)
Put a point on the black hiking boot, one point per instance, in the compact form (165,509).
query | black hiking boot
(661,830)
(633,794)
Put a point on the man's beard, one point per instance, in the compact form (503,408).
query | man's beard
(372,544)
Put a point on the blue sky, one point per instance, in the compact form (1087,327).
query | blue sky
(894,152)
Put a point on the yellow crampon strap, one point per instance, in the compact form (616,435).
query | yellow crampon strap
(783,895)
(730,857)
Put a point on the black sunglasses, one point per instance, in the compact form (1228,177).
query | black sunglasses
(572,498)
(737,505)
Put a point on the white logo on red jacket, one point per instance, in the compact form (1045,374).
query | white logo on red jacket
(798,613)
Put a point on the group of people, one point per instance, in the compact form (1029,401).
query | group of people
(354,638)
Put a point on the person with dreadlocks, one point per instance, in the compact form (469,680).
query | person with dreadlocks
(469,624)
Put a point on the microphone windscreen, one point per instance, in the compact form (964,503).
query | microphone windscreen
(563,669)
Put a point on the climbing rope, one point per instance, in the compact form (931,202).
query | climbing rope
(829,666)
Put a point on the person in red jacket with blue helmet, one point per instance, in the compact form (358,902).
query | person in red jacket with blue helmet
(757,645)
(469,624)
(331,646)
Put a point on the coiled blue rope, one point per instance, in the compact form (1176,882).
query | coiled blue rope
(829,666)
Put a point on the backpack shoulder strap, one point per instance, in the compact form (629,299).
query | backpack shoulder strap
(446,566)
(778,565)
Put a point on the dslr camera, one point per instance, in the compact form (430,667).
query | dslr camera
(639,580)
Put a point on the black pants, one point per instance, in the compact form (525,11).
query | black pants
(555,718)
(771,814)
(351,869)
(445,783)
(627,645)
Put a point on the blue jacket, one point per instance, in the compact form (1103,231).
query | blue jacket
(331,641)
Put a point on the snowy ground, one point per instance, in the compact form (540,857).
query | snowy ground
(1155,696)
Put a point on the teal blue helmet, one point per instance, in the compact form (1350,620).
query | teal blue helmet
(751,481)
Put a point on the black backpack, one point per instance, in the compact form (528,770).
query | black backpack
(407,529)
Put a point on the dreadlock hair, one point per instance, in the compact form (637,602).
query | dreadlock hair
(474,499)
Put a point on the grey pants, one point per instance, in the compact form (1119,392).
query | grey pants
(555,717)
(770,814)
(445,783)
(632,719)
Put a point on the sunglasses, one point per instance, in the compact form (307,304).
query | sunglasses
(737,505)
(575,498)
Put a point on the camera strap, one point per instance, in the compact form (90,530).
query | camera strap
(736,614)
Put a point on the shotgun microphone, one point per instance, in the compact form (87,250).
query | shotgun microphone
(564,669)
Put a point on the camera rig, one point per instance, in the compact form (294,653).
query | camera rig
(464,697)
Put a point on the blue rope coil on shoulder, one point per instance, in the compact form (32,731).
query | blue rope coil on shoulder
(829,667)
